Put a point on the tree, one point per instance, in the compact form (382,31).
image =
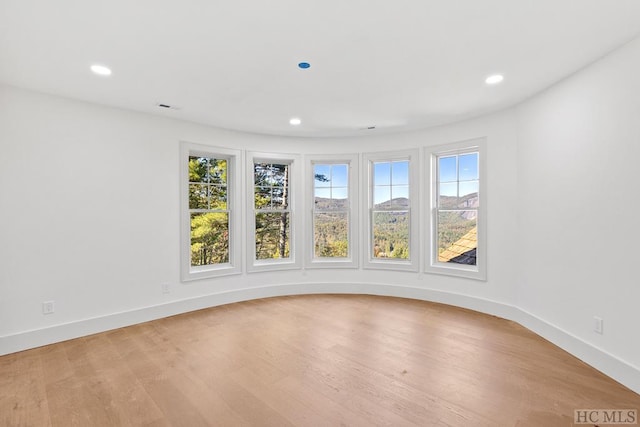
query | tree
(282,243)
(321,177)
(271,202)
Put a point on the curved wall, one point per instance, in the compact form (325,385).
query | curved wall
(578,163)
(90,219)
(91,215)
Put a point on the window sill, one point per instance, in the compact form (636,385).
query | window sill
(467,272)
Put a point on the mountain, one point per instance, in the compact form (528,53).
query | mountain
(468,201)
(325,204)
(397,203)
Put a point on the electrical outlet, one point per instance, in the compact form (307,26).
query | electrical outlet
(597,325)
(166,288)
(48,307)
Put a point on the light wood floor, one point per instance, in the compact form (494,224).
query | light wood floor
(315,360)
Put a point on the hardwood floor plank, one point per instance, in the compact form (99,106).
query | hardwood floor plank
(183,400)
(26,405)
(68,405)
(329,380)
(312,360)
(129,400)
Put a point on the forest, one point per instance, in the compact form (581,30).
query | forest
(330,226)
(391,229)
(331,234)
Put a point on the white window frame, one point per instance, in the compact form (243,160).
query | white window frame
(351,261)
(234,204)
(479,271)
(295,213)
(368,260)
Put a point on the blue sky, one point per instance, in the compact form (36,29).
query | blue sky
(462,168)
(390,180)
(338,185)
(457,176)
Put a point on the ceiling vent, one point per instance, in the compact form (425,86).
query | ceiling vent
(167,106)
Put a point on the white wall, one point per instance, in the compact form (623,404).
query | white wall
(579,204)
(89,217)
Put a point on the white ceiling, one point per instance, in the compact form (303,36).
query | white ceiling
(393,64)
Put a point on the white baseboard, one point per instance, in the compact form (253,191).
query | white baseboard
(608,364)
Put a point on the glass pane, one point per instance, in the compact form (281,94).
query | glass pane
(382,173)
(260,173)
(337,200)
(400,173)
(391,235)
(468,166)
(272,235)
(322,197)
(267,174)
(397,203)
(217,197)
(331,236)
(198,167)
(448,197)
(400,192)
(381,195)
(457,236)
(322,175)
(340,175)
(209,238)
(262,197)
(469,194)
(217,171)
(198,197)
(447,169)
(339,193)
(339,204)
(279,174)
(280,198)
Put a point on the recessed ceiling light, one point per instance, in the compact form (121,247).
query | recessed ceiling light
(494,79)
(295,121)
(101,70)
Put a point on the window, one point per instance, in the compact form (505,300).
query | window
(209,205)
(332,223)
(273,227)
(392,214)
(457,201)
(272,211)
